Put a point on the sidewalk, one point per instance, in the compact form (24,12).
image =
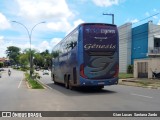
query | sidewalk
(141,82)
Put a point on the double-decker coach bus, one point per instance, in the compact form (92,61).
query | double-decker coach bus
(88,56)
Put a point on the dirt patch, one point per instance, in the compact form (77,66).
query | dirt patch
(145,83)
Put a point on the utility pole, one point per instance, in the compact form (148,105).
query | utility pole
(110,15)
(30,38)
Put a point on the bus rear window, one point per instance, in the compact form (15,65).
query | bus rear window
(100,37)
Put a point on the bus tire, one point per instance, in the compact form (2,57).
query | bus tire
(70,86)
(69,83)
(100,87)
(66,82)
(53,79)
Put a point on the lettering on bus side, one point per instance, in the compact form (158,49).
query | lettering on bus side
(92,46)
(106,31)
(100,30)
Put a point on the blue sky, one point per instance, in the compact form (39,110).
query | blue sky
(61,16)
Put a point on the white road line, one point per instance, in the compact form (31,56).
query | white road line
(44,85)
(141,95)
(20,83)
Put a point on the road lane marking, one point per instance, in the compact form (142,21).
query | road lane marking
(20,83)
(141,95)
(44,85)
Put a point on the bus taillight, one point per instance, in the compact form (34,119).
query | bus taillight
(117,70)
(82,71)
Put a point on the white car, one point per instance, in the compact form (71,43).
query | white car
(45,72)
(0,74)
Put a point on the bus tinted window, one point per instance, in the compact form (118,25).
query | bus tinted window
(100,37)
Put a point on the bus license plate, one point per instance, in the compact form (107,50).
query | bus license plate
(101,83)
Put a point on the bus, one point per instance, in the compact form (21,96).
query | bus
(87,56)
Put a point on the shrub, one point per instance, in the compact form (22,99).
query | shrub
(1,64)
(33,81)
(130,69)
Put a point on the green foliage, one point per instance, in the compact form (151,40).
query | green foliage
(130,69)
(13,53)
(24,68)
(144,83)
(1,64)
(55,54)
(125,75)
(39,60)
(23,60)
(33,81)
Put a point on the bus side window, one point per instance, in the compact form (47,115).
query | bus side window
(71,45)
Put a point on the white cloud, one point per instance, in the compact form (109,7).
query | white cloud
(158,22)
(134,20)
(56,13)
(155,17)
(55,41)
(3,46)
(106,3)
(77,22)
(131,20)
(147,14)
(4,24)
(43,46)
(155,10)
(44,9)
(61,26)
(1,39)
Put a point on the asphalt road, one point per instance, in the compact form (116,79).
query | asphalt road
(15,96)
(111,98)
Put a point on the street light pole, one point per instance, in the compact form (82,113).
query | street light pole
(111,15)
(30,38)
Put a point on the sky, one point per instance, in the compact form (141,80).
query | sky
(49,21)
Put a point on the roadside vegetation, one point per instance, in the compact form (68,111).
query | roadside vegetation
(21,59)
(33,82)
(125,75)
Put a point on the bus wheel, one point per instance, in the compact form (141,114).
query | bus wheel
(66,82)
(69,85)
(53,79)
(100,87)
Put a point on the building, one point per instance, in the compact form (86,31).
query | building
(124,46)
(139,46)
(5,61)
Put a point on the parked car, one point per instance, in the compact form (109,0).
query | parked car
(0,74)
(1,69)
(37,69)
(45,72)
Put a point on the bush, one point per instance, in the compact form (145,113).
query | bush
(24,69)
(125,75)
(1,64)
(33,81)
(130,69)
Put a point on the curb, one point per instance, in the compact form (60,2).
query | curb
(129,80)
(29,86)
(44,85)
(149,87)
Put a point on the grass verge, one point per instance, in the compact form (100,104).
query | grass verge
(33,82)
(146,83)
(125,76)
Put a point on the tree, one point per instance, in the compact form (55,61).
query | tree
(13,53)
(23,60)
(55,54)
(38,60)
(47,58)
(1,64)
(30,53)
